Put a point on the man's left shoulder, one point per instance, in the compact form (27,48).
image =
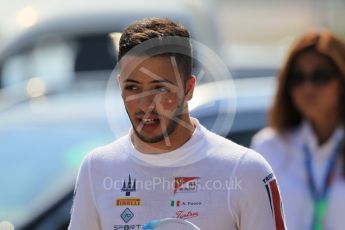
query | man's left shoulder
(254,167)
(224,148)
(227,149)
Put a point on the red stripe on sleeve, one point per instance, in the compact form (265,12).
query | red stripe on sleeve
(277,208)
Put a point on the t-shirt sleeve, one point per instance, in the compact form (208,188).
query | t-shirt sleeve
(257,202)
(84,213)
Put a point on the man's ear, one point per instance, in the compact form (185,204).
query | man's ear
(119,80)
(190,85)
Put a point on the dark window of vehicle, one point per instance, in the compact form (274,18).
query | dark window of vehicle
(95,53)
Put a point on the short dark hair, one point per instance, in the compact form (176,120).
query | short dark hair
(150,28)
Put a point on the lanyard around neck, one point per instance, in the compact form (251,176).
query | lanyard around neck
(320,198)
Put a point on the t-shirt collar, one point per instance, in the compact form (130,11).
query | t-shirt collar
(188,153)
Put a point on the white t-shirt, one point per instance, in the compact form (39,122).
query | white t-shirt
(284,152)
(209,181)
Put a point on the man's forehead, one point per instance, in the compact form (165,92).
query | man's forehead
(134,61)
(157,68)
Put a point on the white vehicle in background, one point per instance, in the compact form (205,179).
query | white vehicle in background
(73,47)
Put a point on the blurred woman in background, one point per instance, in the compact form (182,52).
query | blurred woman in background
(304,142)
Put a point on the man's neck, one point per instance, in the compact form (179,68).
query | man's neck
(176,139)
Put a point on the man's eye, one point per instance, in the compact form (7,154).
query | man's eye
(131,88)
(162,90)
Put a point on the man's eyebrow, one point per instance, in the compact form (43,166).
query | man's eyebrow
(132,81)
(152,82)
(162,81)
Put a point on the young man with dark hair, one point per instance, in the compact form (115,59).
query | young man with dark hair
(169,165)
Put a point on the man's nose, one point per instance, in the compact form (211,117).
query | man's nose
(146,102)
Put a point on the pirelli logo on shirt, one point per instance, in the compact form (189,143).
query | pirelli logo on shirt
(128,202)
(275,201)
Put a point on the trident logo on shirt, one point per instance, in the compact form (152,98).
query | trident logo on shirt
(129,187)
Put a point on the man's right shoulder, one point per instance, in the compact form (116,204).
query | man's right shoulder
(115,150)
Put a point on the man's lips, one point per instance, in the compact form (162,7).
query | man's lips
(149,119)
(148,124)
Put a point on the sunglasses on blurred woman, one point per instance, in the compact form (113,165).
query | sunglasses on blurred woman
(319,77)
